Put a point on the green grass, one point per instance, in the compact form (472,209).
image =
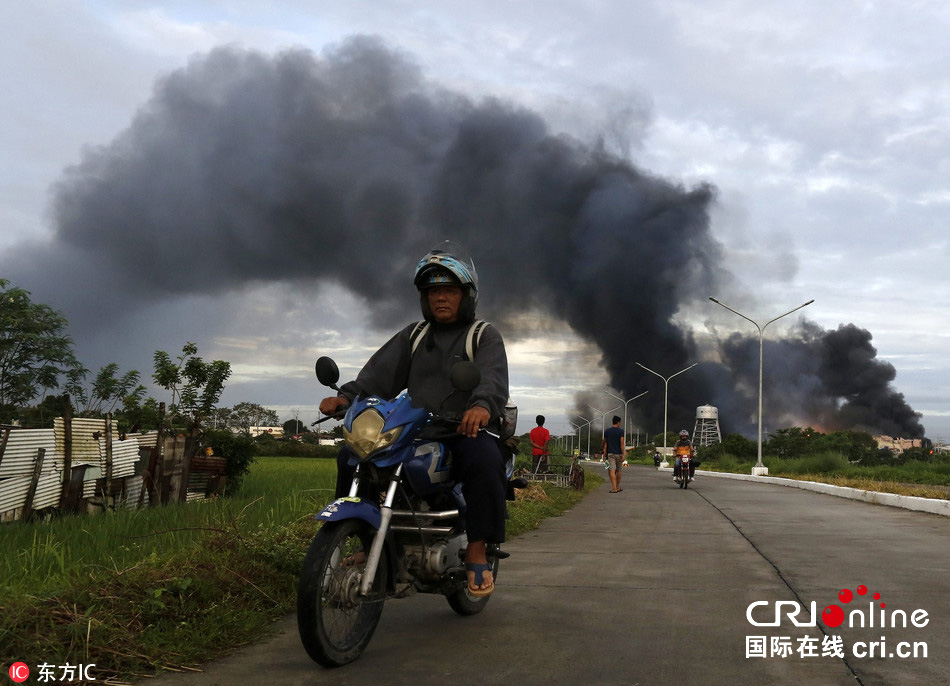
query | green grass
(50,554)
(137,591)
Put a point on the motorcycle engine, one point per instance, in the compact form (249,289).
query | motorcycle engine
(433,561)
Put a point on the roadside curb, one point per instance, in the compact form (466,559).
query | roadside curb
(908,502)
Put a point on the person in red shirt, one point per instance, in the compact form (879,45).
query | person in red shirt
(539,445)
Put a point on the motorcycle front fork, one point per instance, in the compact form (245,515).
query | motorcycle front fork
(386,515)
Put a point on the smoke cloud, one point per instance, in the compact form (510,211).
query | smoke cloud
(245,169)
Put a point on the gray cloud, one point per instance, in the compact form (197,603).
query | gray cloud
(343,168)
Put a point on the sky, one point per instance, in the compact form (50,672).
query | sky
(259,178)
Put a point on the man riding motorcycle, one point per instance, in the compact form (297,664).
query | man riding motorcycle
(448,290)
(682,447)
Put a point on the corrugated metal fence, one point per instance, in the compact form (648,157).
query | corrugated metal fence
(84,465)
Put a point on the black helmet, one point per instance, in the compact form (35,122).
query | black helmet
(448,265)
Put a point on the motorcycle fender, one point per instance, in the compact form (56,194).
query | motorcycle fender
(351,508)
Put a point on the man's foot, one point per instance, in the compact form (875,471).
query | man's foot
(481,581)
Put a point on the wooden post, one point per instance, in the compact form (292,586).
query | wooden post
(151,479)
(107,495)
(67,453)
(148,481)
(171,476)
(191,445)
(159,475)
(34,482)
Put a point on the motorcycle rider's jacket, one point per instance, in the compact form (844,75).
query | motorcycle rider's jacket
(425,374)
(683,448)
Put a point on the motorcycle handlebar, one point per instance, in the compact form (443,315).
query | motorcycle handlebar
(339,414)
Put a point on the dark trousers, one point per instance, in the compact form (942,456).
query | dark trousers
(479,465)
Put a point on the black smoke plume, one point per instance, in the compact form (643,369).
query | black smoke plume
(247,169)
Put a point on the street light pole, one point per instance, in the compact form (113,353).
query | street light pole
(760,469)
(624,407)
(666,396)
(578,427)
(577,430)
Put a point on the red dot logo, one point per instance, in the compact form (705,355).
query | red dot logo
(832,616)
(845,595)
(19,672)
(862,589)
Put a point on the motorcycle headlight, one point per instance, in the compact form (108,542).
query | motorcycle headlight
(367,435)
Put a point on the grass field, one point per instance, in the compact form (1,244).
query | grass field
(137,591)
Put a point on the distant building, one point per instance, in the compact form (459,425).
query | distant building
(275,431)
(897,445)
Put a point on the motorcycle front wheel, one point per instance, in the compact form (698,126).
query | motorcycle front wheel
(335,622)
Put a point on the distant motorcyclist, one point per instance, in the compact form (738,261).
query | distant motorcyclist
(682,447)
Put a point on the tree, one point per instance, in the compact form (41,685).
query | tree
(792,442)
(139,416)
(292,427)
(246,415)
(195,384)
(107,391)
(34,350)
(219,418)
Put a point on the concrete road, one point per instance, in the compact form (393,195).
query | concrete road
(652,586)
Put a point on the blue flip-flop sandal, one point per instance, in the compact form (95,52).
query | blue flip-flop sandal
(479,569)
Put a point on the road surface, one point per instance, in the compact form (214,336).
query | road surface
(653,585)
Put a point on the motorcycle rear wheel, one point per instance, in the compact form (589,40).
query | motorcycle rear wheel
(335,622)
(466,605)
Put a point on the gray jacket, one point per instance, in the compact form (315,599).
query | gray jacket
(425,375)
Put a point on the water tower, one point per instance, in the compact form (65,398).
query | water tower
(706,431)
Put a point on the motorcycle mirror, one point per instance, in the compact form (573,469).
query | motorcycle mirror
(465,376)
(327,372)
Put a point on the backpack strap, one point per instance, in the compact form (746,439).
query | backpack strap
(472,338)
(416,336)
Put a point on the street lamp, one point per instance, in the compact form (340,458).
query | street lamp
(575,427)
(760,469)
(578,427)
(624,407)
(666,396)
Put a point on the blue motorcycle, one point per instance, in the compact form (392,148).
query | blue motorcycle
(399,531)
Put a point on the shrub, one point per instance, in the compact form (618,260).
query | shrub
(819,463)
(237,449)
(734,445)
